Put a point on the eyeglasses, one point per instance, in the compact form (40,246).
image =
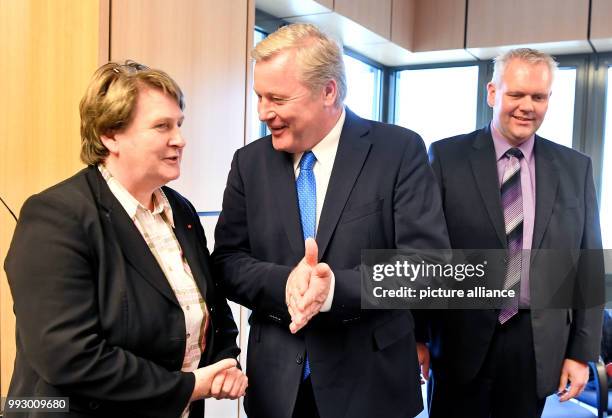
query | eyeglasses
(130,67)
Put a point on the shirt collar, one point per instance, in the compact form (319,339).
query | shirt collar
(129,202)
(502,145)
(325,150)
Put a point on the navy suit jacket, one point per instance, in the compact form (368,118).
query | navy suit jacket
(566,219)
(381,194)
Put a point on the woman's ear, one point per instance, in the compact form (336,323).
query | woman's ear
(109,140)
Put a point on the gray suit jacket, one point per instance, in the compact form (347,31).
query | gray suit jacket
(566,219)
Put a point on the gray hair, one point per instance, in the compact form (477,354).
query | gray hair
(318,56)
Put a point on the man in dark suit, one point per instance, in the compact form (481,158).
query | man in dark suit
(503,187)
(350,183)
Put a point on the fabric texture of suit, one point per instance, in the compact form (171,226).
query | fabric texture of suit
(97,320)
(566,217)
(380,195)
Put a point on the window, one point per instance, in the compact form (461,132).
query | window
(437,102)
(258,128)
(364,88)
(558,124)
(605,213)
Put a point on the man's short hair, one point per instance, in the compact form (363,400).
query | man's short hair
(109,102)
(528,55)
(319,57)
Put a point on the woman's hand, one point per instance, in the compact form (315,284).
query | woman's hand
(229,384)
(220,380)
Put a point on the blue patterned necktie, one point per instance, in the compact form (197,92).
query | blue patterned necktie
(512,202)
(307,200)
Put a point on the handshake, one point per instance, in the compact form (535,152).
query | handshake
(307,288)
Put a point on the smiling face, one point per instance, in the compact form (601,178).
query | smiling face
(520,101)
(298,117)
(147,153)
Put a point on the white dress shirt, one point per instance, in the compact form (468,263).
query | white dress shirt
(325,153)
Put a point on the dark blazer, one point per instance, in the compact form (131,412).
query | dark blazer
(380,195)
(566,218)
(97,320)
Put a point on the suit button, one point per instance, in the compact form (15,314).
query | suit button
(93,405)
(299,359)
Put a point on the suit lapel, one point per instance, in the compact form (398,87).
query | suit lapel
(282,185)
(352,151)
(128,237)
(547,182)
(186,235)
(484,169)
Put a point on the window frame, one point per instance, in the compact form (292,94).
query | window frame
(481,101)
(580,63)
(263,128)
(381,82)
(595,114)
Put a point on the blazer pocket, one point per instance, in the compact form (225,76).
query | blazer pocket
(392,331)
(361,211)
